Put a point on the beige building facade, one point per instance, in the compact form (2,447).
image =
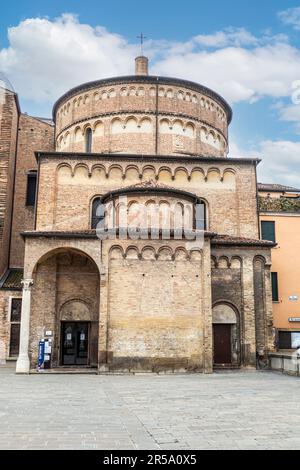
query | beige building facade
(280,222)
(189,287)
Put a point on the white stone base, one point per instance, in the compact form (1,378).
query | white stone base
(23,365)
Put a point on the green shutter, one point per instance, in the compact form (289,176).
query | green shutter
(268,231)
(275,292)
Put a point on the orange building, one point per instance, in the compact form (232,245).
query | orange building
(280,222)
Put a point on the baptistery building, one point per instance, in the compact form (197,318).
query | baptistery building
(185,287)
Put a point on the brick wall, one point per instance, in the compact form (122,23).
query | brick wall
(67,187)
(155,313)
(128,118)
(152,298)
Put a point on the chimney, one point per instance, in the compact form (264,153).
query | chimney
(141,65)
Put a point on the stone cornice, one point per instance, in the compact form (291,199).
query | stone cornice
(84,234)
(183,159)
(216,240)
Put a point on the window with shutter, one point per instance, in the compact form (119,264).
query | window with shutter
(268,231)
(15,325)
(275,292)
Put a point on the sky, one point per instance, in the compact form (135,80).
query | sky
(249,52)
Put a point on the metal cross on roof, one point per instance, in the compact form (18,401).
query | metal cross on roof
(142,37)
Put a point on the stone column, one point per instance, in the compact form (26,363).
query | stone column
(249,346)
(103,321)
(269,309)
(207,309)
(23,363)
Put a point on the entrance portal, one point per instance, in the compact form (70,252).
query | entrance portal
(222,344)
(75,343)
(226,336)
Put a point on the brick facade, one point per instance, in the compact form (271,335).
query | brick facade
(151,304)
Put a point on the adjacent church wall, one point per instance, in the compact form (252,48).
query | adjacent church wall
(8,142)
(33,135)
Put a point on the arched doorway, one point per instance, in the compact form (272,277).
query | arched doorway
(226,335)
(65,308)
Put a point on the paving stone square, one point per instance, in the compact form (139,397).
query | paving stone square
(226,410)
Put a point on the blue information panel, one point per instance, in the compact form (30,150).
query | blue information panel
(41,354)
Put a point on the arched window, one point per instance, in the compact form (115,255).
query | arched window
(96,217)
(200,218)
(88,140)
(31,188)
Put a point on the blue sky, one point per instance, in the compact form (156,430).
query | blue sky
(247,51)
(169,19)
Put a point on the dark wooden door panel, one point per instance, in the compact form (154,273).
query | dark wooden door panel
(75,343)
(14,339)
(222,344)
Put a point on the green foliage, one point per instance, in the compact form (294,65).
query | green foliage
(282,204)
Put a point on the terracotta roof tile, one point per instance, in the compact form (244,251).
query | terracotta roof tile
(12,279)
(240,241)
(277,188)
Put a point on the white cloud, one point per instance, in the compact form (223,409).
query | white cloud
(47,57)
(230,37)
(278,158)
(240,74)
(291,17)
(291,113)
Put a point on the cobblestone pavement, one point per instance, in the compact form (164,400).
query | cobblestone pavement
(233,410)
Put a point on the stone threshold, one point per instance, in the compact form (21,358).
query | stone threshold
(226,367)
(89,371)
(67,371)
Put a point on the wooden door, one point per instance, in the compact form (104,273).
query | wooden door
(222,344)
